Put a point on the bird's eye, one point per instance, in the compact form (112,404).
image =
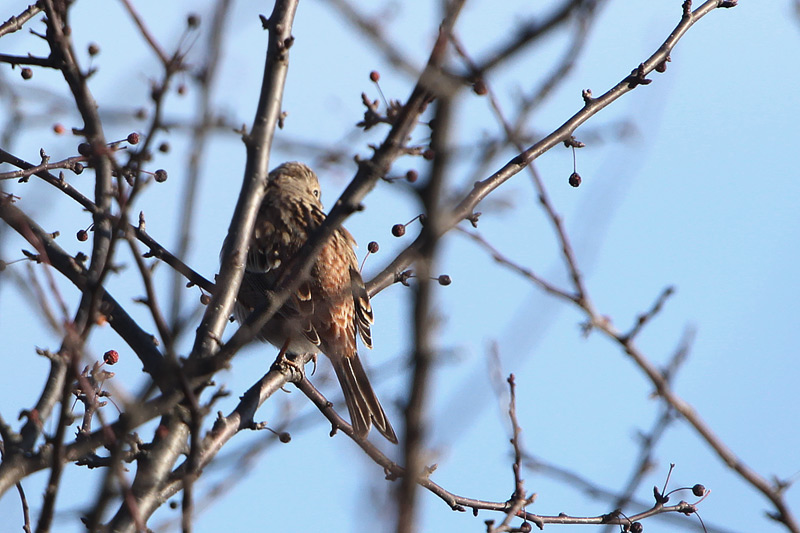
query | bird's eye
(315,192)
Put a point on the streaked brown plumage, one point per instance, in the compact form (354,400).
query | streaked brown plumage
(329,307)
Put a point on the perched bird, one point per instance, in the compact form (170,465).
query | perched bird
(329,306)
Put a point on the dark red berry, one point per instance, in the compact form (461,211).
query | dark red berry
(26,73)
(163,147)
(480,88)
(94,49)
(444,280)
(411,176)
(133,138)
(59,129)
(373,247)
(699,490)
(111,357)
(193,20)
(398,230)
(284,437)
(575,179)
(83,235)
(205,299)
(160,175)
(428,154)
(374,76)
(85,149)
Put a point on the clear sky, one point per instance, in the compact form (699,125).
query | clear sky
(701,193)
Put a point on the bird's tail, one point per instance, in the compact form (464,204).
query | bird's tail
(361,401)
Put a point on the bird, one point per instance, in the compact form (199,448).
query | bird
(330,307)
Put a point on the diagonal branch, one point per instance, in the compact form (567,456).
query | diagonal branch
(258,144)
(15,23)
(390,274)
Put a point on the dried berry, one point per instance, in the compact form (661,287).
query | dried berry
(444,280)
(575,179)
(133,138)
(699,490)
(374,76)
(398,230)
(412,176)
(94,49)
(111,357)
(160,175)
(83,235)
(373,247)
(26,73)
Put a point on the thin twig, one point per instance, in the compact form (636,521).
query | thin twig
(203,127)
(15,23)
(71,351)
(645,317)
(519,269)
(28,60)
(26,515)
(644,462)
(152,296)
(372,30)
(162,56)
(532,32)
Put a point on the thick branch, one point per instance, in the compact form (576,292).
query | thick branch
(258,144)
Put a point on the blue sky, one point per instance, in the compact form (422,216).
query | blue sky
(702,196)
